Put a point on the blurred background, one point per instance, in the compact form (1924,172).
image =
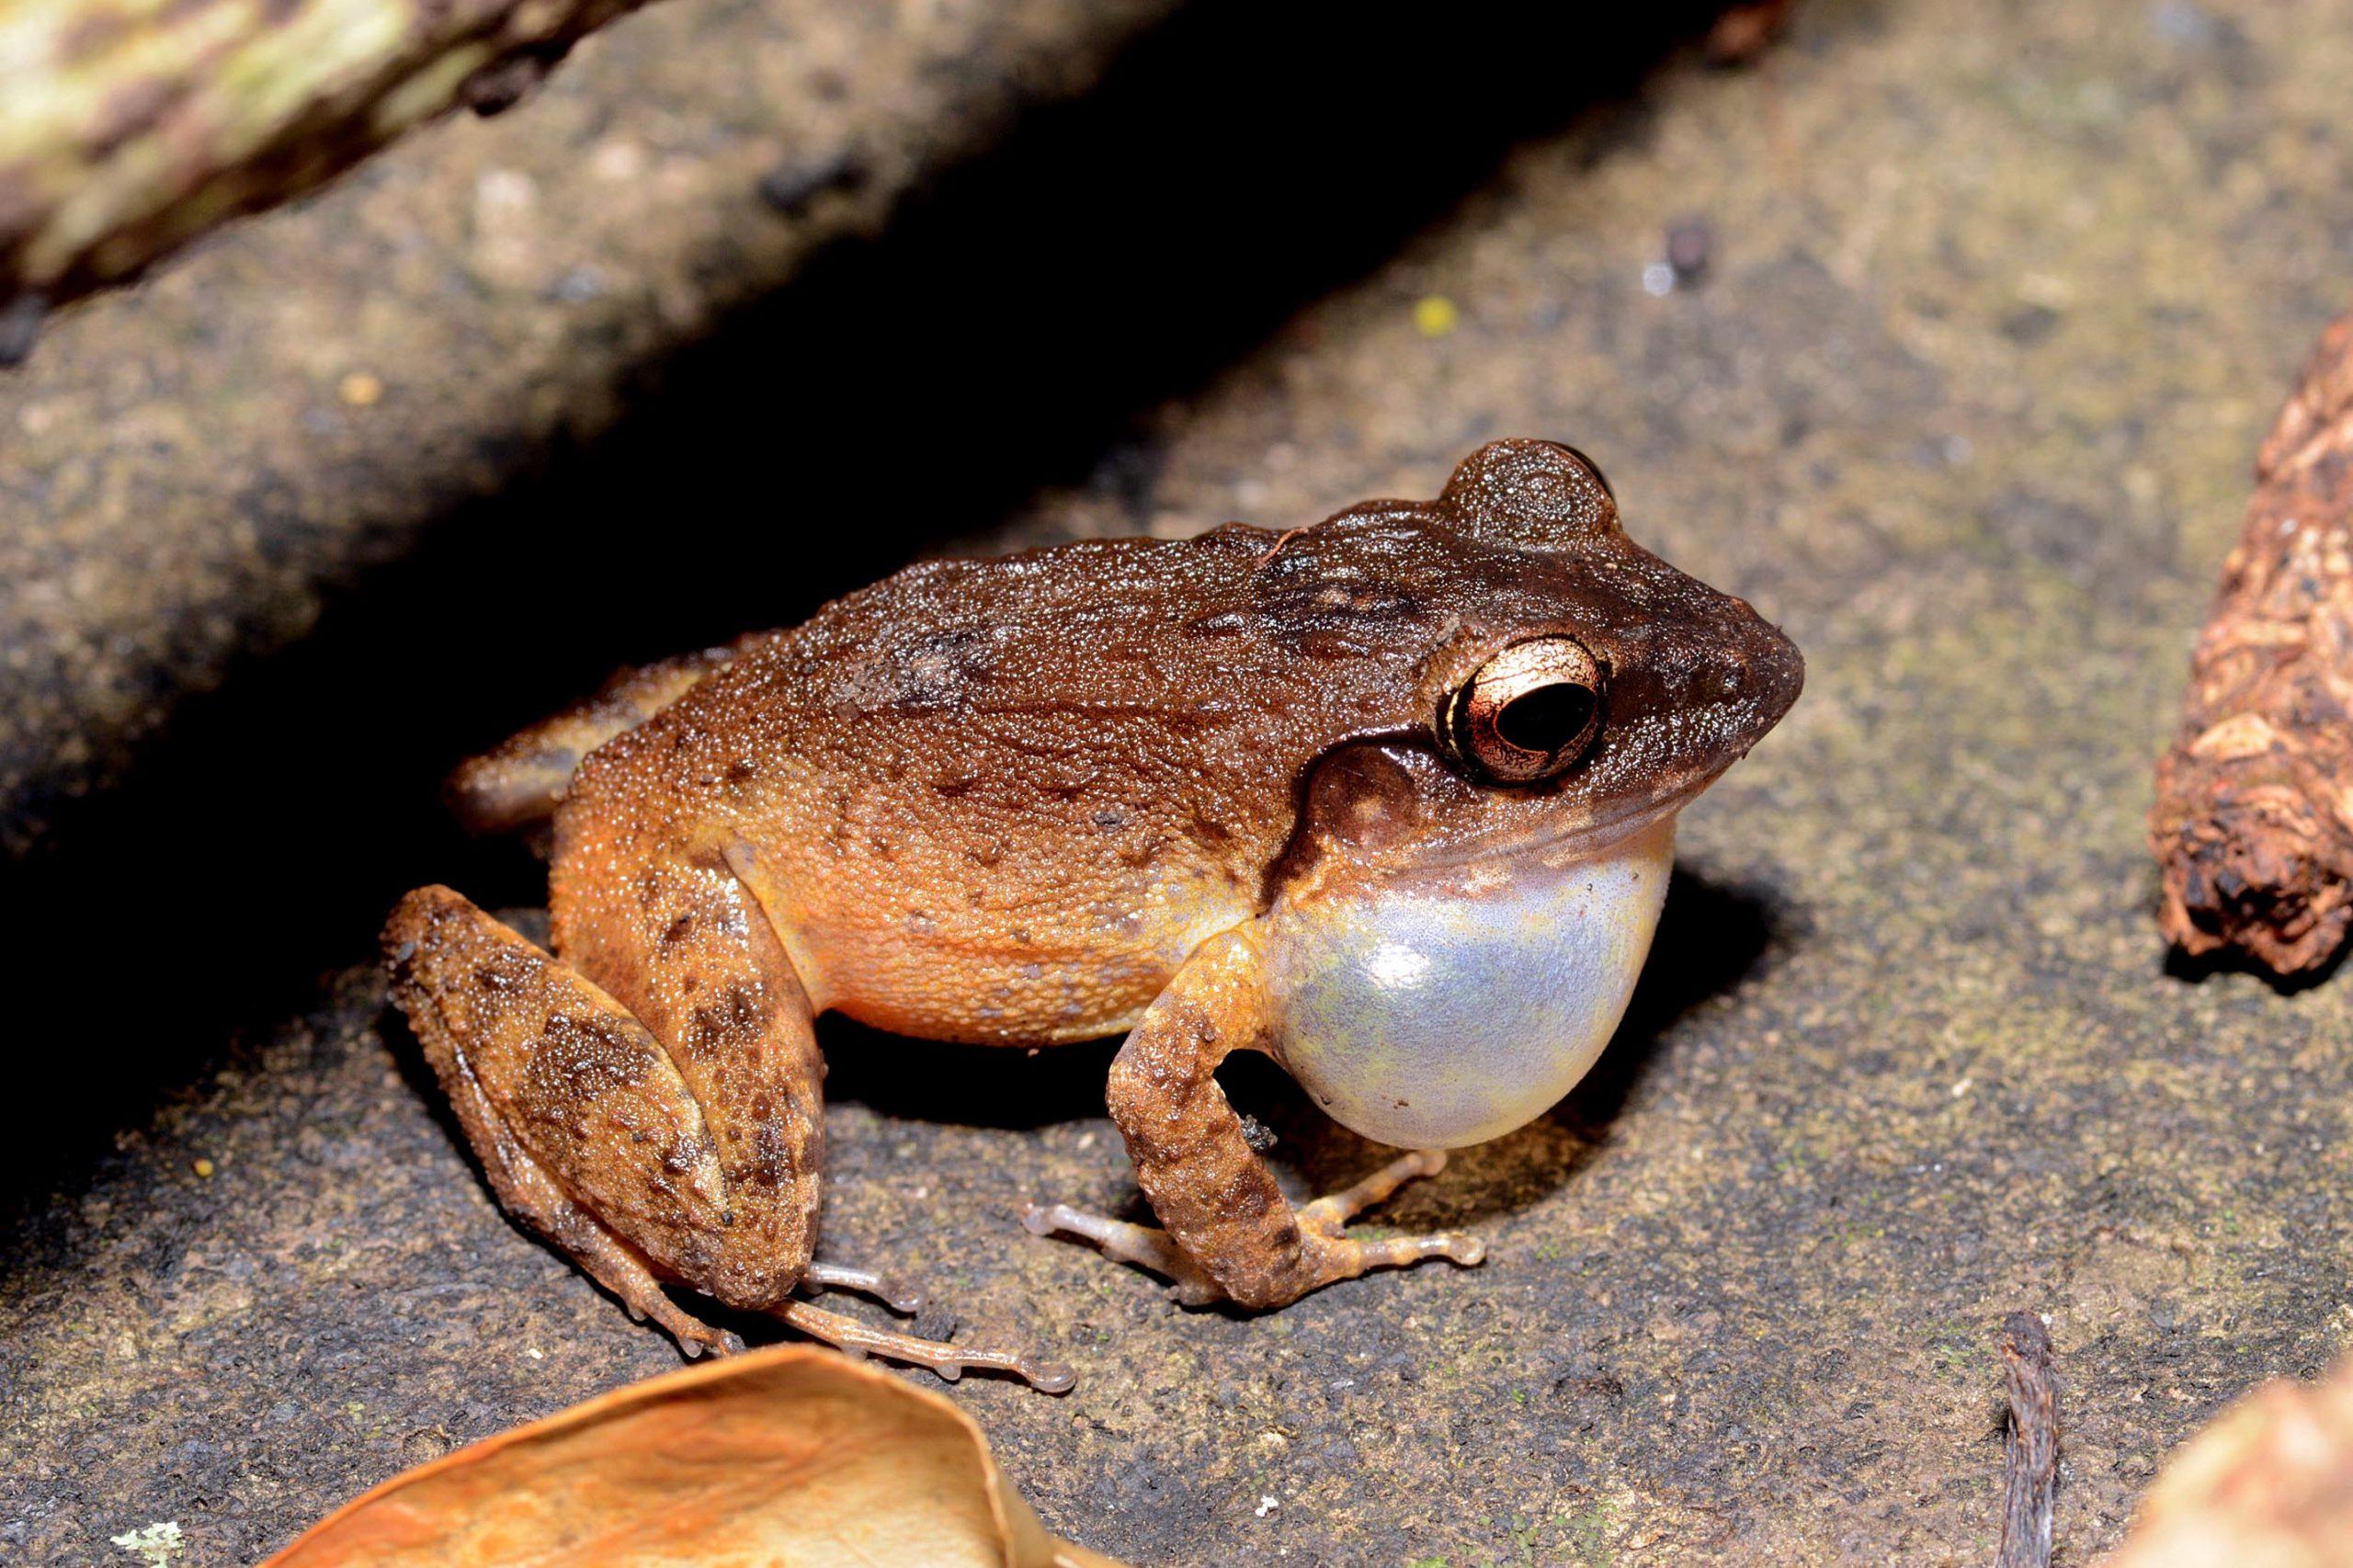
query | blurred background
(1943,331)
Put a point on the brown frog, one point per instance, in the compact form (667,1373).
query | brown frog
(1389,798)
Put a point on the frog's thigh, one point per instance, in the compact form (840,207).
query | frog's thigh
(561,1074)
(521,781)
(1217,1198)
(680,942)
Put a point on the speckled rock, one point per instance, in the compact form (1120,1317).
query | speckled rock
(1995,305)
(192,467)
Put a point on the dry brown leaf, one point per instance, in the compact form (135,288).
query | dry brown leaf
(787,1455)
(2268,1483)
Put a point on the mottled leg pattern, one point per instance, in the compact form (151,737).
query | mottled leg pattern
(501,961)
(1231,1234)
(531,1195)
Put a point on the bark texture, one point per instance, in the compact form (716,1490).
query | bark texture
(129,127)
(2254,820)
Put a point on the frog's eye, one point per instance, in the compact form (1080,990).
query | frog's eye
(1528,712)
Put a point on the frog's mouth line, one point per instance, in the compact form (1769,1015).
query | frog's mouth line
(1586,841)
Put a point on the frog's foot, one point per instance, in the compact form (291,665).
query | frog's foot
(1123,1242)
(1346,1259)
(950,1361)
(902,1299)
(1329,1254)
(627,1276)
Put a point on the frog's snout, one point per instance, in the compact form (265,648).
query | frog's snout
(1728,689)
(1776,671)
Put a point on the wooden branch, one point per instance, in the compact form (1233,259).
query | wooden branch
(2254,818)
(128,126)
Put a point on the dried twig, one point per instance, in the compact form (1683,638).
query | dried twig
(2254,819)
(2031,1457)
(127,130)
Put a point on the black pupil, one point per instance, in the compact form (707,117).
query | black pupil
(1547,719)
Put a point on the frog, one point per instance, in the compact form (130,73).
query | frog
(1390,797)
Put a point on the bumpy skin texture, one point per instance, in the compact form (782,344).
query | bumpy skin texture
(1022,801)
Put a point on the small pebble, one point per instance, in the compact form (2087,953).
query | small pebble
(204,1168)
(1687,244)
(617,160)
(790,187)
(579,285)
(1435,315)
(20,322)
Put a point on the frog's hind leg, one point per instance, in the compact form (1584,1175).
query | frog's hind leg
(919,1349)
(669,1127)
(528,1192)
(586,1130)
(519,782)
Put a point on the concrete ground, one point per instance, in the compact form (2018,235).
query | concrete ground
(1996,302)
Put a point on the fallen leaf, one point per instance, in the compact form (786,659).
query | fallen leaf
(2268,1483)
(787,1455)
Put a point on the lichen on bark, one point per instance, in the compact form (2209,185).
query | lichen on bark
(128,127)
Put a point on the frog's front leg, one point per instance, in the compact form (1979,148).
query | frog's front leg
(1231,1234)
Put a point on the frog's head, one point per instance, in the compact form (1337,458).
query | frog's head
(1474,884)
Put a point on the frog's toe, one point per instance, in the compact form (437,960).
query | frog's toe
(1336,1209)
(901,1298)
(1124,1242)
(950,1362)
(1345,1257)
(695,1338)
(1403,1252)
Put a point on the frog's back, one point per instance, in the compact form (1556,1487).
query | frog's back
(993,801)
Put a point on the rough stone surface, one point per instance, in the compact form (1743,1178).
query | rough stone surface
(1997,303)
(192,467)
